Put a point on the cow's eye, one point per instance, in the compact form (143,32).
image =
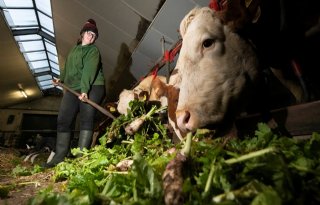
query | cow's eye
(207,43)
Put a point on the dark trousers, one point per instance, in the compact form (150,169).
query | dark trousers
(71,105)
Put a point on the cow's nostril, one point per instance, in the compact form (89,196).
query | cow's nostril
(183,120)
(186,117)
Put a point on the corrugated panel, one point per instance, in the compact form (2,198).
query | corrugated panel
(144,8)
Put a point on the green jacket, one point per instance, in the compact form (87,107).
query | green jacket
(83,68)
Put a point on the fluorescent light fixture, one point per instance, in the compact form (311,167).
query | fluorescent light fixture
(23,93)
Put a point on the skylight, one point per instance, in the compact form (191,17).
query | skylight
(32,27)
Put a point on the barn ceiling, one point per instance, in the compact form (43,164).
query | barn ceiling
(130,41)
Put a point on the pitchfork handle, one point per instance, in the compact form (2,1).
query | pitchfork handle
(87,100)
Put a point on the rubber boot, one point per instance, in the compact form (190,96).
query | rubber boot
(85,138)
(62,148)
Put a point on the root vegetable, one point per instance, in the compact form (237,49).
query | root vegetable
(136,124)
(124,165)
(173,175)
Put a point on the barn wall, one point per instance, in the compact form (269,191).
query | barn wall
(11,119)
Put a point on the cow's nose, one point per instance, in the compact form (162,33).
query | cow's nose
(183,120)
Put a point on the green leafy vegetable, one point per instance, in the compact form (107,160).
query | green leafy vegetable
(266,168)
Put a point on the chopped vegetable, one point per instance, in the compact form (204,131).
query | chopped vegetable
(173,175)
(136,124)
(266,168)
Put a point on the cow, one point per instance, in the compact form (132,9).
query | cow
(230,55)
(169,94)
(141,91)
(213,75)
(219,65)
(124,98)
(155,89)
(216,70)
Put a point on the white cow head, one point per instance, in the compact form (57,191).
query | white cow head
(215,68)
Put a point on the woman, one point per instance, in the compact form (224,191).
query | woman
(82,73)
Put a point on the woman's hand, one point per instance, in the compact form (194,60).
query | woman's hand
(83,97)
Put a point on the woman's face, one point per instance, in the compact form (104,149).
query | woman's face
(88,38)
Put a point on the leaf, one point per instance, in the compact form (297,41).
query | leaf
(146,178)
(267,197)
(118,186)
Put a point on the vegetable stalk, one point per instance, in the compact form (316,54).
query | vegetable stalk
(209,181)
(250,155)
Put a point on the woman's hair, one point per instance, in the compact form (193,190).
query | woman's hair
(79,41)
(90,25)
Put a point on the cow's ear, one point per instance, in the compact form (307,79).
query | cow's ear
(238,13)
(187,20)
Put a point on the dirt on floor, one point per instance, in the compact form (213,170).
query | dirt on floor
(16,189)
